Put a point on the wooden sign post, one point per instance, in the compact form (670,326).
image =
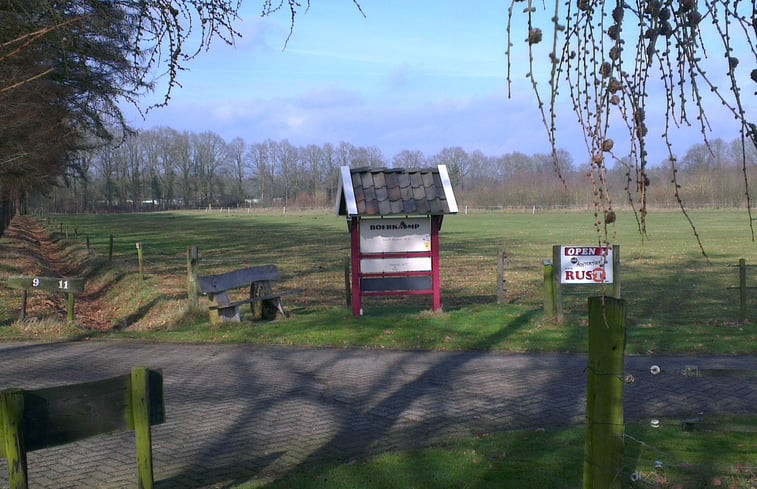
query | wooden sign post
(576,265)
(43,418)
(68,285)
(394,218)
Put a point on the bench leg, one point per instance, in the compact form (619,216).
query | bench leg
(263,309)
(229,314)
(280,307)
(222,314)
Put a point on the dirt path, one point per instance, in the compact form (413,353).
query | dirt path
(28,250)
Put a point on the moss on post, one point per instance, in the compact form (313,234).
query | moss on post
(603,460)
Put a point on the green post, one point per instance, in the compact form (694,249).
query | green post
(550,304)
(24,295)
(140,411)
(141,262)
(616,271)
(192,265)
(501,256)
(110,249)
(742,290)
(11,412)
(70,307)
(603,459)
(552,284)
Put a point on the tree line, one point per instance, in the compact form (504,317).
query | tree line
(67,68)
(163,168)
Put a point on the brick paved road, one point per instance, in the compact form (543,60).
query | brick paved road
(238,412)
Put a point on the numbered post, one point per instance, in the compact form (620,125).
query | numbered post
(70,286)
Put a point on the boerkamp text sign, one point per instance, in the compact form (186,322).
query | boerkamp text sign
(586,265)
(395,235)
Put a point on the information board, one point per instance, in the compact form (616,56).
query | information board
(392,265)
(586,265)
(395,235)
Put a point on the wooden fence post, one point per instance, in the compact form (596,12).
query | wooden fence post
(616,271)
(501,256)
(11,412)
(742,289)
(192,265)
(550,299)
(110,249)
(141,261)
(24,295)
(70,307)
(603,460)
(140,411)
(552,286)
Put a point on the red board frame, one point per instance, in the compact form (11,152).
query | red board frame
(357,290)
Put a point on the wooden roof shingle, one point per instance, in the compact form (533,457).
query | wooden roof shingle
(395,191)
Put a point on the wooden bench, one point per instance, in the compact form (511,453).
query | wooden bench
(70,286)
(264,302)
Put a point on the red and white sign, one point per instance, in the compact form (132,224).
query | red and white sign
(586,265)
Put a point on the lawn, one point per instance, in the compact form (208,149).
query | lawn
(678,301)
(657,458)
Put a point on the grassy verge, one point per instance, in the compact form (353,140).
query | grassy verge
(678,301)
(655,457)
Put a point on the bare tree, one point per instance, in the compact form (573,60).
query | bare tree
(237,154)
(409,159)
(607,56)
(66,68)
(209,155)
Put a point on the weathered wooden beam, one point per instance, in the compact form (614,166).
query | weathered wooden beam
(140,414)
(11,412)
(211,284)
(603,460)
(31,420)
(192,273)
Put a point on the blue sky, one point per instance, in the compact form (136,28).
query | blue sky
(420,75)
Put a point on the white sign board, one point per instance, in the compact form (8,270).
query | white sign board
(586,265)
(391,265)
(395,235)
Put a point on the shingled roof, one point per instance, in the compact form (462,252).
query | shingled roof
(395,192)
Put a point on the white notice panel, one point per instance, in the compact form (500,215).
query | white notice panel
(391,265)
(586,265)
(395,235)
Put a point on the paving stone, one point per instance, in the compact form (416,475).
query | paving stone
(237,412)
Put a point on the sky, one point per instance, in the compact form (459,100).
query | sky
(421,76)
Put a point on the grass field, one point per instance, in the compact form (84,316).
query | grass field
(660,459)
(677,300)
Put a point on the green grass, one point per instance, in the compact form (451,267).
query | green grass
(543,459)
(677,301)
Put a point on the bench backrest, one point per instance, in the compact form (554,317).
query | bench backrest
(213,284)
(58,415)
